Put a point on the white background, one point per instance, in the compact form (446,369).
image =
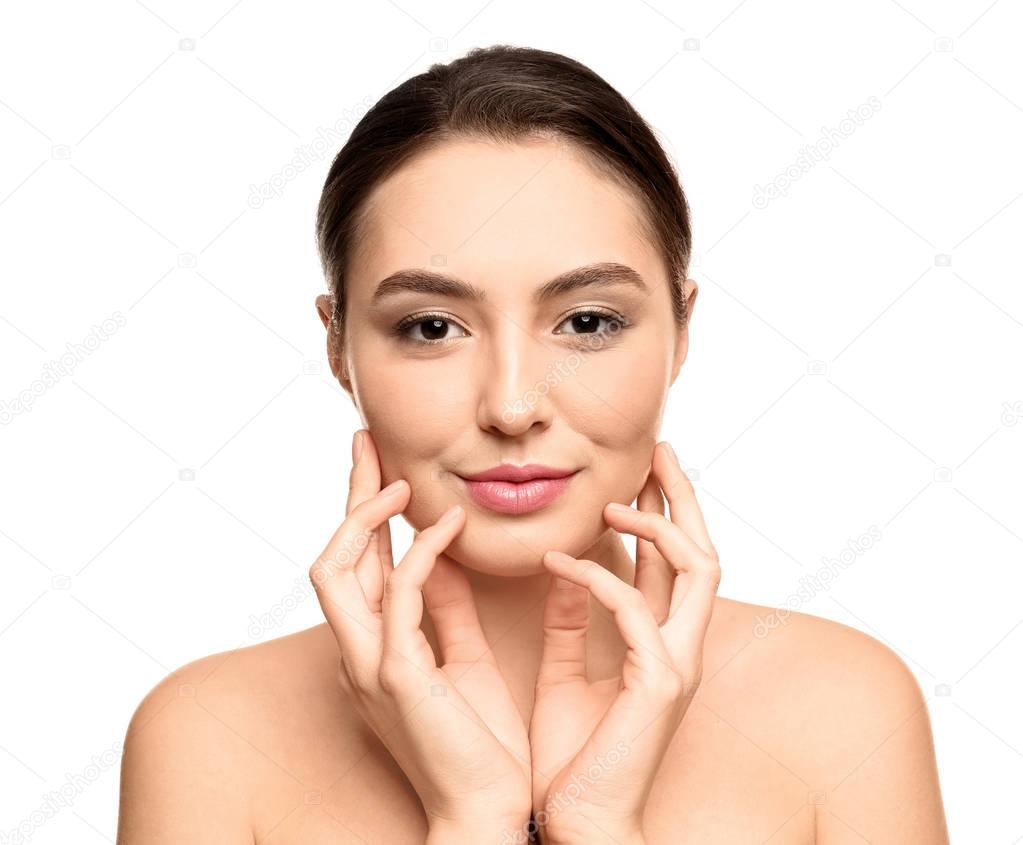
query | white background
(855,351)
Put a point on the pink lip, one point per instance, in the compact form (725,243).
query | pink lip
(517,490)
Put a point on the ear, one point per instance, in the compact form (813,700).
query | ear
(325,308)
(689,290)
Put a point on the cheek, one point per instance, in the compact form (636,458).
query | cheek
(422,401)
(617,395)
(616,401)
(416,412)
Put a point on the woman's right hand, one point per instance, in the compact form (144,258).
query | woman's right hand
(454,730)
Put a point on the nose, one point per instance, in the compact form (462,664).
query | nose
(512,383)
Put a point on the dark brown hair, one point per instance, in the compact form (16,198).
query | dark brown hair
(503,93)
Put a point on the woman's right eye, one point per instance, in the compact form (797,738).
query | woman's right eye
(432,328)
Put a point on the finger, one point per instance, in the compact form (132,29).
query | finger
(376,565)
(386,562)
(647,653)
(448,597)
(566,617)
(333,572)
(696,606)
(686,629)
(364,482)
(678,490)
(697,575)
(654,575)
(403,597)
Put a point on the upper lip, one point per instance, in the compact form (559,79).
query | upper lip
(518,474)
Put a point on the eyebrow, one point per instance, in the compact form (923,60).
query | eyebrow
(603,274)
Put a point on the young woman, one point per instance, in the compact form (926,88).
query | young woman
(507,247)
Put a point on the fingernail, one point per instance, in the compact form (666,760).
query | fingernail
(451,513)
(671,452)
(619,508)
(357,446)
(391,488)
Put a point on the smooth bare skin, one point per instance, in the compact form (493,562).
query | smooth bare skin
(577,723)
(455,731)
(813,733)
(506,219)
(454,728)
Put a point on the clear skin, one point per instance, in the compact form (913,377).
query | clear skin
(809,732)
(602,418)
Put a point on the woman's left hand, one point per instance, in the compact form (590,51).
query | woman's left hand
(596,747)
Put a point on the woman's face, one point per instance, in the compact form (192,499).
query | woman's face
(573,377)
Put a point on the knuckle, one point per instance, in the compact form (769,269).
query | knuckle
(318,573)
(634,598)
(389,677)
(392,586)
(358,514)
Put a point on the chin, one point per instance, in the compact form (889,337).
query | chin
(493,544)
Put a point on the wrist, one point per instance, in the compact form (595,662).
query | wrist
(490,831)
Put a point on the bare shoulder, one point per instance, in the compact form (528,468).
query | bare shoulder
(845,711)
(210,735)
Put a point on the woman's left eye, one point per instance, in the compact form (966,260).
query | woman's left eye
(588,322)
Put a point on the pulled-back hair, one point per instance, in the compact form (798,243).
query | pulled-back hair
(503,93)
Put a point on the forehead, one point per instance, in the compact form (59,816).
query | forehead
(499,213)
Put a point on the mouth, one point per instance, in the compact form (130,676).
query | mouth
(513,489)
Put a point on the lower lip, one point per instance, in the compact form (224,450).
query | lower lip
(509,497)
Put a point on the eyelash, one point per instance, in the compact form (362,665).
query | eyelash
(401,329)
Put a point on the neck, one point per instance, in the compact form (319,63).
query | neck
(510,611)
